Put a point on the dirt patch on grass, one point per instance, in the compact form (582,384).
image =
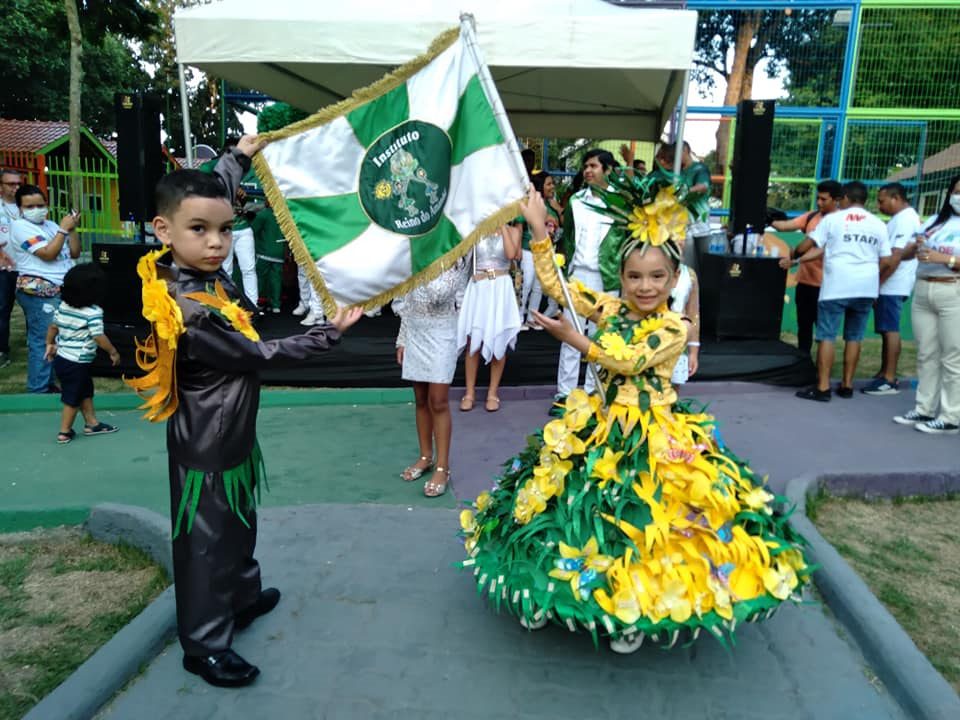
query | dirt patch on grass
(62,595)
(908,553)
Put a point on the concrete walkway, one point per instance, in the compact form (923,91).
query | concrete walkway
(375,623)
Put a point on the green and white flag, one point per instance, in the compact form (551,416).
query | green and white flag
(384,190)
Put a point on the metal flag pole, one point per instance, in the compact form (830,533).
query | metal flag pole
(185,106)
(468,32)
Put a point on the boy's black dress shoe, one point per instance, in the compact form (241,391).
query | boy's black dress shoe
(266,602)
(223,669)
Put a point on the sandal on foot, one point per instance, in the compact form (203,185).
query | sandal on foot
(493,403)
(466,403)
(100,428)
(434,489)
(413,472)
(64,437)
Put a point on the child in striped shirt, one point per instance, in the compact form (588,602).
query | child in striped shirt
(72,341)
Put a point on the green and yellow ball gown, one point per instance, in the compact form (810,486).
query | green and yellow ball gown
(629,517)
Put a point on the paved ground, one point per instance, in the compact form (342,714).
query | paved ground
(350,454)
(375,623)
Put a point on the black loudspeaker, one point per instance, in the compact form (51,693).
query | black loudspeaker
(741,297)
(139,154)
(751,165)
(123,303)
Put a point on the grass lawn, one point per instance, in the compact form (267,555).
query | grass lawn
(870,359)
(62,596)
(908,553)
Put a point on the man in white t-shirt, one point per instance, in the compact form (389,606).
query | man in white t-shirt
(896,283)
(9,182)
(855,248)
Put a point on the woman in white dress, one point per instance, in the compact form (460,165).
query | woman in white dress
(685,299)
(489,319)
(427,352)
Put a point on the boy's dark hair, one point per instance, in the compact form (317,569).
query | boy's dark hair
(25,190)
(176,187)
(856,192)
(84,285)
(894,190)
(832,188)
(604,157)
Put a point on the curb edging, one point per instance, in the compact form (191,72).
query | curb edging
(97,680)
(907,673)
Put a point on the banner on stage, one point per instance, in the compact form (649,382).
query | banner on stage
(384,190)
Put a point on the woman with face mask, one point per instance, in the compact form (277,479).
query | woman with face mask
(44,252)
(936,320)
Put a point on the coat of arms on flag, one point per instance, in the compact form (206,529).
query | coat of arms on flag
(384,190)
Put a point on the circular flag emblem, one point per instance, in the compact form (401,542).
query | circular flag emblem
(405,176)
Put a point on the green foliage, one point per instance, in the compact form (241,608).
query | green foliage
(36,80)
(780,38)
(278,115)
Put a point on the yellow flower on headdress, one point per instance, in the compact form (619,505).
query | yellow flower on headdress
(529,503)
(616,347)
(606,467)
(658,221)
(561,439)
(560,260)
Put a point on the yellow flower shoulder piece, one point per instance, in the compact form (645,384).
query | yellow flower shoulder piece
(157,355)
(230,310)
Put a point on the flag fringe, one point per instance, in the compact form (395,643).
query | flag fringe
(488,226)
(371,92)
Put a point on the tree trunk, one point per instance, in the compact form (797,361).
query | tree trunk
(76,79)
(740,74)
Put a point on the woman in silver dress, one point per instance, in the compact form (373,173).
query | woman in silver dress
(427,352)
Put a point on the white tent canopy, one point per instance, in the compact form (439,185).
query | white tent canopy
(564,68)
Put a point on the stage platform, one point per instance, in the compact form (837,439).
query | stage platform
(367,358)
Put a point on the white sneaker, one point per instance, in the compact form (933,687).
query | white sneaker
(937,427)
(300,309)
(911,418)
(310,319)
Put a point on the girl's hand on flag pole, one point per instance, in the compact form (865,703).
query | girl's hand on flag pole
(535,213)
(250,145)
(559,327)
(346,317)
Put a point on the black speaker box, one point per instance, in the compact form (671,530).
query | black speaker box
(741,297)
(123,303)
(139,155)
(751,165)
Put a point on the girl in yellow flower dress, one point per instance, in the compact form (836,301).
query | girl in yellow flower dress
(627,517)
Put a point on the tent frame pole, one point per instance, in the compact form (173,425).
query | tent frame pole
(185,108)
(681,122)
